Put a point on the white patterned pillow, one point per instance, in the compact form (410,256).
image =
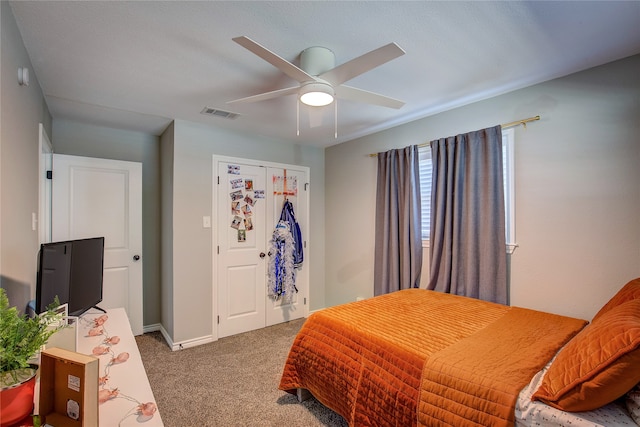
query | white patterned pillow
(632,401)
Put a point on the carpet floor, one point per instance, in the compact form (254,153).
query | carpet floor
(230,382)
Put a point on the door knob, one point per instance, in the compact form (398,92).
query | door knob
(262,255)
(136,257)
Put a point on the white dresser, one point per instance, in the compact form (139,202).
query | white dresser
(128,377)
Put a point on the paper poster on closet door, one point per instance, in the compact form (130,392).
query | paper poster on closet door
(243,198)
(284,185)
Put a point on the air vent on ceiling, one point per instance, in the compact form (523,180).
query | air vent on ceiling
(218,113)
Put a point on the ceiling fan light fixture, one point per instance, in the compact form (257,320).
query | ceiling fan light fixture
(316,94)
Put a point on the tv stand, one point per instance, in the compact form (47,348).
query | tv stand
(101,309)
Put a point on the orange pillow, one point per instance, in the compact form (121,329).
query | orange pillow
(628,292)
(598,365)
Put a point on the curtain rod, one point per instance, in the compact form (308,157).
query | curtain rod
(522,122)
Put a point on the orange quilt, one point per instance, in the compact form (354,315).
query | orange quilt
(418,357)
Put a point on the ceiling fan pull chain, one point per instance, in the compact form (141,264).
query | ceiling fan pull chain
(298,117)
(335,120)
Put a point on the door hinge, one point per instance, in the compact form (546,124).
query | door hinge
(49,174)
(306,184)
(218,320)
(305,244)
(218,179)
(305,300)
(218,250)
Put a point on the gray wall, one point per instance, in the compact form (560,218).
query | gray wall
(22,108)
(193,148)
(577,192)
(80,139)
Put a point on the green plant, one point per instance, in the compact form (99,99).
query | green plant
(21,337)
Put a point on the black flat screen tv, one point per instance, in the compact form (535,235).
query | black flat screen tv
(71,270)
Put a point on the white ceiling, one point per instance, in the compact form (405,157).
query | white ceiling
(138,65)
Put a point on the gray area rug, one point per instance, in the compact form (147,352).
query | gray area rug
(231,382)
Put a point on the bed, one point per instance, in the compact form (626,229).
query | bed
(419,357)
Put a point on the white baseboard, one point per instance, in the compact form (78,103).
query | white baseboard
(181,345)
(151,328)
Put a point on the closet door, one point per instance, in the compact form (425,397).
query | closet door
(289,184)
(241,260)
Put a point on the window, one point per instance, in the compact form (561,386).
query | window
(424,156)
(509,188)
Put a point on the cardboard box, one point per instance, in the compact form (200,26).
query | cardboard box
(68,388)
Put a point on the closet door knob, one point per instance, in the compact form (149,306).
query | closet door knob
(262,255)
(136,257)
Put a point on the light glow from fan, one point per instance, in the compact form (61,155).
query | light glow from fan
(316,94)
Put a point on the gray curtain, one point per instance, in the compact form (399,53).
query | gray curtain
(468,248)
(398,251)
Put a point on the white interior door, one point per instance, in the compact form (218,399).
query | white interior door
(98,197)
(241,260)
(241,244)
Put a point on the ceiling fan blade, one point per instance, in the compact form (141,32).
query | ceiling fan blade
(280,63)
(266,95)
(359,95)
(362,64)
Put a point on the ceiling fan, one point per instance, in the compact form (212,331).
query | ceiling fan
(320,81)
